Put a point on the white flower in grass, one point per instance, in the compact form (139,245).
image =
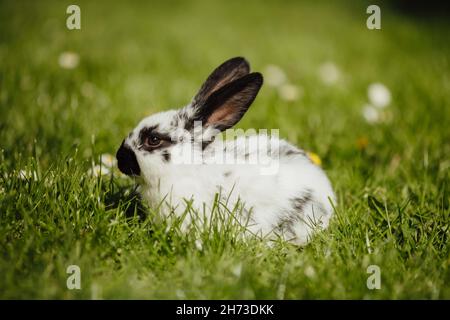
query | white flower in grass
(237,270)
(310,272)
(371,114)
(329,73)
(108,160)
(99,170)
(289,92)
(379,95)
(180,294)
(274,76)
(199,244)
(27,175)
(68,60)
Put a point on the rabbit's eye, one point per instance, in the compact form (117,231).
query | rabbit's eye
(153,141)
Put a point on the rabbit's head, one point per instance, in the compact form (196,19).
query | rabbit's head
(164,138)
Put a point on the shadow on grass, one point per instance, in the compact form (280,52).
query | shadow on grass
(129,200)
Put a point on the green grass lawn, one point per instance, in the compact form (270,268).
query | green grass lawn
(391,177)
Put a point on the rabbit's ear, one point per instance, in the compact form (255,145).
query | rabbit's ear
(226,106)
(227,72)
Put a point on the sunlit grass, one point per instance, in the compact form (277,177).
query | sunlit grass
(67,97)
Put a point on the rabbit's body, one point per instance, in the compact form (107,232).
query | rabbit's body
(282,191)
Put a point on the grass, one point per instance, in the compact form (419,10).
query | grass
(391,177)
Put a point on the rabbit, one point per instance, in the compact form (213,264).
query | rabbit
(179,159)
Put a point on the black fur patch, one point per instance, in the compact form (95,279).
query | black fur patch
(126,161)
(288,150)
(166,156)
(206,143)
(286,223)
(174,122)
(189,125)
(299,203)
(292,152)
(182,119)
(294,214)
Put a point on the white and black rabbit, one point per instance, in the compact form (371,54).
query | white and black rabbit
(177,161)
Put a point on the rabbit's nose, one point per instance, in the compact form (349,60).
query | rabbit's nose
(126,161)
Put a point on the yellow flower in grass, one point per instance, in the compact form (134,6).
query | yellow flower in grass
(362,143)
(314,157)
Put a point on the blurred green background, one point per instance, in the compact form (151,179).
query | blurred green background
(68,96)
